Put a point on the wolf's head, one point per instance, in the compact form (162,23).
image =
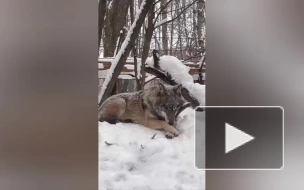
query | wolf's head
(170,101)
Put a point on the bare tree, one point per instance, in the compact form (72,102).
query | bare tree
(177,27)
(128,44)
(148,34)
(181,28)
(138,69)
(179,31)
(200,22)
(180,11)
(164,27)
(171,30)
(184,21)
(102,4)
(195,27)
(115,21)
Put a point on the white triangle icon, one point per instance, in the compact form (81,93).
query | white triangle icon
(235,138)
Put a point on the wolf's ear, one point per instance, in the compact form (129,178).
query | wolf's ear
(178,89)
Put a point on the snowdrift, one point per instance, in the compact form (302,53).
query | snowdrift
(132,160)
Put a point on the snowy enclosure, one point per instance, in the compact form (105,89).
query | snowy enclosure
(132,156)
(129,161)
(149,161)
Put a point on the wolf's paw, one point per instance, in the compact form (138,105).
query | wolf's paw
(112,121)
(170,135)
(175,132)
(126,121)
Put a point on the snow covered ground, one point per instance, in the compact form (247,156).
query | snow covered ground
(133,161)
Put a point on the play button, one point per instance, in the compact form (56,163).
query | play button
(235,138)
(242,138)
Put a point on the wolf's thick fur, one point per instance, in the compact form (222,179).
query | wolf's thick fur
(154,107)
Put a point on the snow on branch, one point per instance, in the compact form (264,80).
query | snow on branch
(173,71)
(160,22)
(138,63)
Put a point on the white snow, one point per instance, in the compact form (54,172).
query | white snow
(160,22)
(110,5)
(100,66)
(125,28)
(138,69)
(102,74)
(198,91)
(191,63)
(149,78)
(130,67)
(135,161)
(121,51)
(125,76)
(180,74)
(116,47)
(110,59)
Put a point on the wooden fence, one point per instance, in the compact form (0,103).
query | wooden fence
(129,84)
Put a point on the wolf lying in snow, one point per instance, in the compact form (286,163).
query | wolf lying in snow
(154,107)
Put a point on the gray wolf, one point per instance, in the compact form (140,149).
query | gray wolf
(154,107)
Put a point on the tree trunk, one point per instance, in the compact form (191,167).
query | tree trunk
(147,41)
(123,53)
(195,37)
(148,35)
(102,7)
(120,39)
(179,33)
(141,36)
(114,22)
(185,28)
(200,22)
(171,31)
(131,2)
(164,28)
(157,44)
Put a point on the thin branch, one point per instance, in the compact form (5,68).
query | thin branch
(194,56)
(109,144)
(153,136)
(159,7)
(161,75)
(146,82)
(130,75)
(163,8)
(174,10)
(156,2)
(202,63)
(177,15)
